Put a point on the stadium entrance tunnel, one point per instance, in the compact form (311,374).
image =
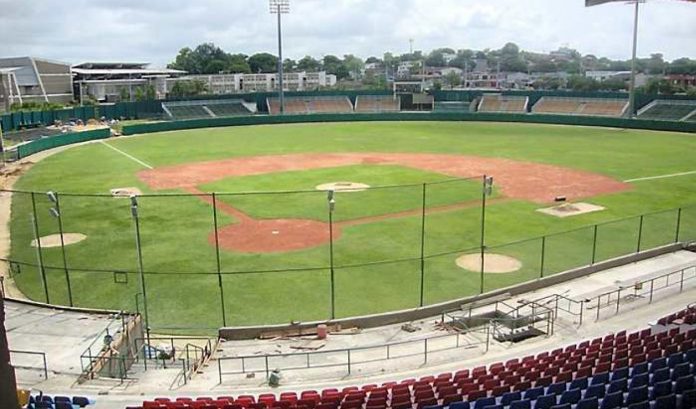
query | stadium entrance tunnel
(274,236)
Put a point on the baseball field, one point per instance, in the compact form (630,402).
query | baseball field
(268,247)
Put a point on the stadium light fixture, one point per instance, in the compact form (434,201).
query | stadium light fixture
(280,7)
(632,85)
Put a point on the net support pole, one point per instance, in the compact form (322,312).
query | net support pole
(217,260)
(422,248)
(483,231)
(39,251)
(62,248)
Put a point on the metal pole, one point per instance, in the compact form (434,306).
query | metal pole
(483,228)
(632,86)
(62,247)
(594,245)
(331,264)
(2,146)
(217,260)
(640,233)
(422,250)
(136,218)
(676,234)
(280,62)
(39,254)
(543,255)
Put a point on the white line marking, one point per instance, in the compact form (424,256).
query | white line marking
(673,175)
(127,155)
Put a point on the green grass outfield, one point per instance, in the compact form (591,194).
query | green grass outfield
(182,284)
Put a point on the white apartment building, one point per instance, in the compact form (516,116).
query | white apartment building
(236,83)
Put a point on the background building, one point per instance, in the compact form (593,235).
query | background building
(29,79)
(234,83)
(113,82)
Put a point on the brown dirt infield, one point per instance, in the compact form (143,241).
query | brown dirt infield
(535,182)
(492,263)
(53,240)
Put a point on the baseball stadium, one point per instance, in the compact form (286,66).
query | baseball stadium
(393,249)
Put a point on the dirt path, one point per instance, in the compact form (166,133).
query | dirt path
(516,180)
(530,181)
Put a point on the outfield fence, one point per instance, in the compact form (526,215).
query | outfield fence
(195,261)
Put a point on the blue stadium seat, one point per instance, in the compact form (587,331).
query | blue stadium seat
(666,402)
(691,355)
(580,383)
(600,378)
(545,402)
(640,405)
(637,395)
(509,397)
(620,374)
(572,396)
(661,375)
(63,405)
(661,389)
(596,391)
(533,393)
(459,405)
(483,402)
(612,400)
(639,368)
(639,380)
(562,406)
(493,407)
(521,404)
(658,363)
(592,403)
(688,400)
(675,359)
(618,386)
(556,388)
(684,383)
(80,401)
(680,370)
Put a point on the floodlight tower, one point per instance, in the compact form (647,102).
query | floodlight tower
(280,7)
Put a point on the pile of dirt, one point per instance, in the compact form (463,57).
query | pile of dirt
(53,240)
(343,187)
(492,263)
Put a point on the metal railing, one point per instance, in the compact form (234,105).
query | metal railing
(349,357)
(44,367)
(645,289)
(97,353)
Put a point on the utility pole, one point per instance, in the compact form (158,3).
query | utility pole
(280,7)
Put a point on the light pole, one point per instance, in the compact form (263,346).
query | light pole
(55,212)
(332,205)
(487,189)
(136,219)
(280,7)
(632,85)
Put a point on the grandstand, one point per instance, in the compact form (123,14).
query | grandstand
(377,103)
(311,105)
(672,110)
(453,106)
(581,106)
(182,110)
(503,103)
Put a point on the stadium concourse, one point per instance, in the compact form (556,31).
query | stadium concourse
(633,340)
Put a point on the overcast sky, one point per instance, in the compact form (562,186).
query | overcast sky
(154,30)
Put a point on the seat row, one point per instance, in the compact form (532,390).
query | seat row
(617,354)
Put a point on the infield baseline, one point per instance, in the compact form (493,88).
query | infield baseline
(673,175)
(133,158)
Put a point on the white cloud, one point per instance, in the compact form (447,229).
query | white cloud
(154,30)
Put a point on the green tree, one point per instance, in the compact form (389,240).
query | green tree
(452,79)
(215,67)
(263,62)
(289,65)
(308,64)
(124,94)
(353,65)
(238,64)
(185,88)
(682,66)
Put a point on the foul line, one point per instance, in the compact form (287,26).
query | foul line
(127,155)
(673,175)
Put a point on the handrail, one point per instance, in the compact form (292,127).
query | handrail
(42,354)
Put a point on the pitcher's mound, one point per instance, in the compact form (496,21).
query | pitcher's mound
(125,192)
(53,240)
(343,186)
(493,263)
(571,209)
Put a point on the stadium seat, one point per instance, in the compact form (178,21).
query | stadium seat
(545,401)
(591,403)
(612,401)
